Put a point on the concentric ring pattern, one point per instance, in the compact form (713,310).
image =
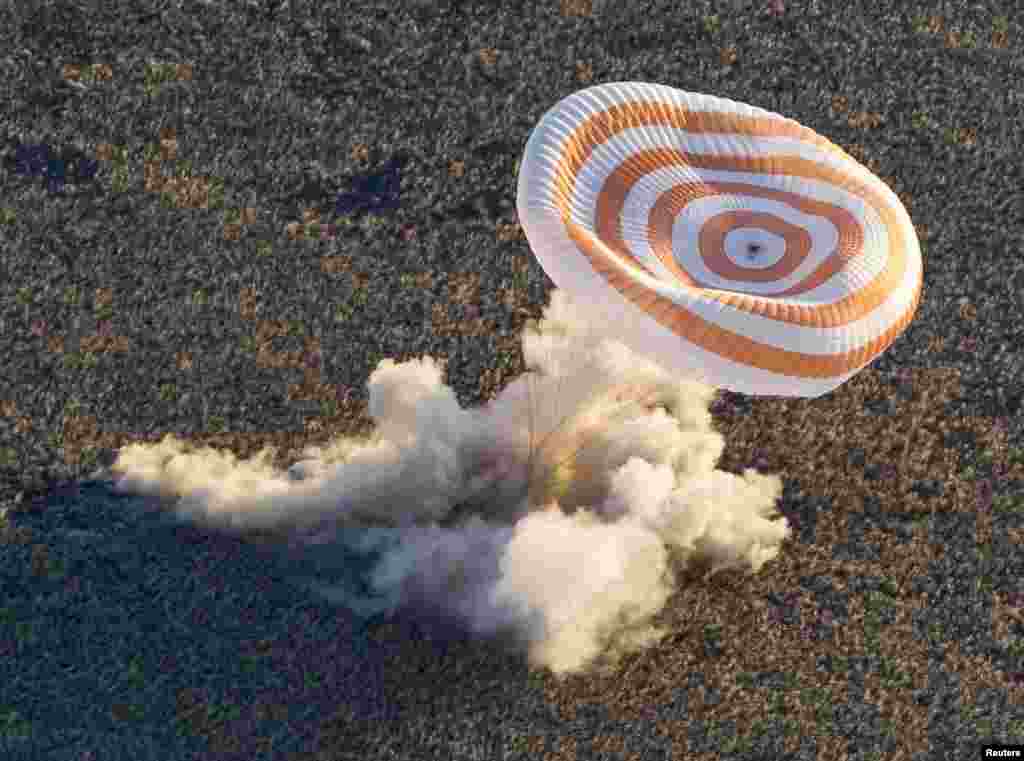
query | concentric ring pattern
(728,242)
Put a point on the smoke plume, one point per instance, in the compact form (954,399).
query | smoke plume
(549,515)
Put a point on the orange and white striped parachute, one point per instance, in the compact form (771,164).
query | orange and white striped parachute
(728,243)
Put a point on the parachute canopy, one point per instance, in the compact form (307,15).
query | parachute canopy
(728,243)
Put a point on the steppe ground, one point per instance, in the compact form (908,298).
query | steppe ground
(179,290)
